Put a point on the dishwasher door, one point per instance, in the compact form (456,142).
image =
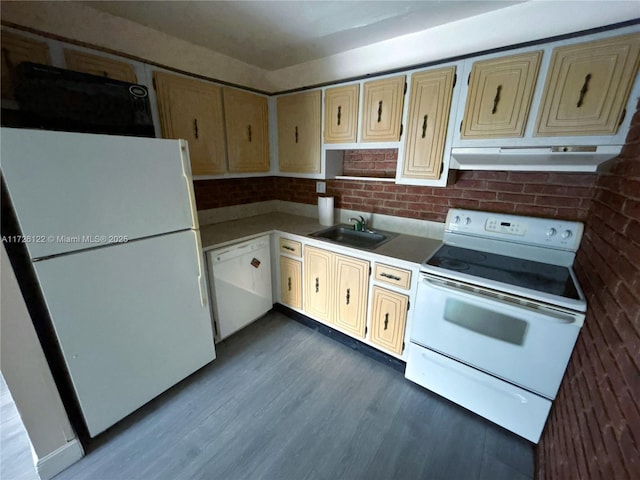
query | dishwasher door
(241,284)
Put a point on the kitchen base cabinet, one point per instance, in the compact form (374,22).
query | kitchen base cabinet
(351,286)
(318,281)
(291,282)
(388,319)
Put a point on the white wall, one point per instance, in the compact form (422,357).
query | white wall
(29,379)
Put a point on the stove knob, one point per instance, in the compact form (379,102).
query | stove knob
(456,219)
(551,232)
(467,221)
(567,234)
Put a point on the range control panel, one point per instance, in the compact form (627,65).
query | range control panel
(562,234)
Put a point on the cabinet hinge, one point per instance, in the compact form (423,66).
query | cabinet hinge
(405,88)
(455,79)
(366,329)
(624,114)
(468,79)
(408,304)
(401,129)
(461,127)
(369,270)
(441,169)
(153,82)
(402,347)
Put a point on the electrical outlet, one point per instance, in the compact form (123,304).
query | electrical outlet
(321,187)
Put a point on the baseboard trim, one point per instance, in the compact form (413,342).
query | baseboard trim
(350,342)
(58,460)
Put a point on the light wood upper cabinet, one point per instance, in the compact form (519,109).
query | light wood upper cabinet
(341,114)
(192,109)
(318,283)
(246,120)
(429,105)
(352,282)
(499,96)
(15,50)
(299,132)
(388,319)
(101,66)
(383,101)
(291,282)
(587,87)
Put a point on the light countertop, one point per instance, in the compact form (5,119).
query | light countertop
(405,247)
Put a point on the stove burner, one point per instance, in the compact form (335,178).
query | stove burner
(450,264)
(467,256)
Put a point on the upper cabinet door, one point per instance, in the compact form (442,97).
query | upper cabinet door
(382,110)
(15,50)
(429,105)
(192,109)
(299,132)
(499,97)
(341,114)
(247,130)
(588,86)
(101,66)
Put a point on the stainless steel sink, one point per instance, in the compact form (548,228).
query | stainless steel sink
(346,235)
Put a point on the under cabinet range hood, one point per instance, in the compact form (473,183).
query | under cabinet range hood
(563,158)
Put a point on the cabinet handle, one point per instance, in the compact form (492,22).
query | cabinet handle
(583,91)
(424,126)
(496,100)
(348,295)
(339,113)
(195,127)
(289,283)
(249,133)
(296,134)
(386,320)
(379,111)
(317,284)
(389,276)
(287,247)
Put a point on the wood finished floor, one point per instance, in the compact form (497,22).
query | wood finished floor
(283,401)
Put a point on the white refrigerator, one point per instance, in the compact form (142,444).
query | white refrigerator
(111,230)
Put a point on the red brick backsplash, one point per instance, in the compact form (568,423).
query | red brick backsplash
(379,163)
(233,191)
(593,431)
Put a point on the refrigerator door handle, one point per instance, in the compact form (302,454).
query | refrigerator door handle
(186,172)
(201,278)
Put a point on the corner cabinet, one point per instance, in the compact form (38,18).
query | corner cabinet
(15,50)
(100,66)
(247,131)
(499,96)
(587,87)
(428,119)
(192,109)
(341,114)
(383,101)
(299,132)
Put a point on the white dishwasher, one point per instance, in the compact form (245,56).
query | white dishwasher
(241,284)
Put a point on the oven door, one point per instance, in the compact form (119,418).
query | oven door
(525,343)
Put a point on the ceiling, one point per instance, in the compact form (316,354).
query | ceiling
(277,34)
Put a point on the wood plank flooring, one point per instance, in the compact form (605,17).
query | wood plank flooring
(283,401)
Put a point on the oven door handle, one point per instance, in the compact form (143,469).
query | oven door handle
(548,313)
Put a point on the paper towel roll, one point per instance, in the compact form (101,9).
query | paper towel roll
(325,210)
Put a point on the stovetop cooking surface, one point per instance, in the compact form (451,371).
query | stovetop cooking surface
(542,277)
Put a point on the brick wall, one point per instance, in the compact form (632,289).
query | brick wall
(371,163)
(593,431)
(233,191)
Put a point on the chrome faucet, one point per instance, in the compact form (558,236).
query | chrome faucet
(360,225)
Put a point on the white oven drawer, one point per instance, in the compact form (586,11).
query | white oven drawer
(526,346)
(513,408)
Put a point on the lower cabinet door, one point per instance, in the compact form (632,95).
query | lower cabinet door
(388,319)
(291,282)
(352,277)
(318,276)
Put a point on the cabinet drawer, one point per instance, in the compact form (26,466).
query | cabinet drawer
(393,276)
(290,247)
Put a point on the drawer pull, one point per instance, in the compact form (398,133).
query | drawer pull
(386,320)
(287,247)
(390,277)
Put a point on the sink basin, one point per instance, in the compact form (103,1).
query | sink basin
(346,235)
